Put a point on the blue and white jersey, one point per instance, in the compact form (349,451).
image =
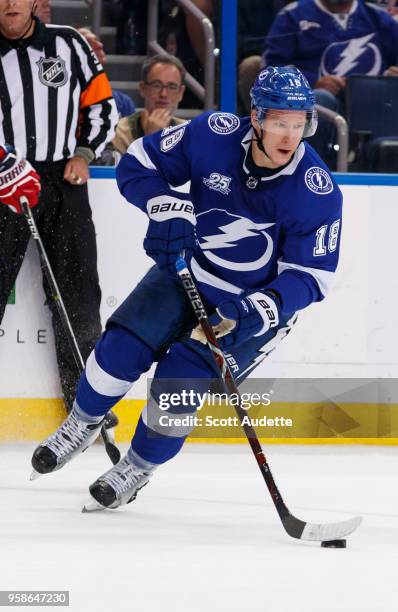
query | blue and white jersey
(319,43)
(279,232)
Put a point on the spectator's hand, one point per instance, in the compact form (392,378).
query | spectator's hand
(17,180)
(392,71)
(76,171)
(332,83)
(158,120)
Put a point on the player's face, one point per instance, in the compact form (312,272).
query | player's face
(282,133)
(163,88)
(15,17)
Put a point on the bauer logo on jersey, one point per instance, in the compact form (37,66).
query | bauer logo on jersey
(318,181)
(52,71)
(223,123)
(218,182)
(170,141)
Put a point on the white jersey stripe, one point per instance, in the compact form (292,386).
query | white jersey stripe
(102,382)
(15,86)
(40,95)
(137,150)
(88,73)
(324,278)
(206,277)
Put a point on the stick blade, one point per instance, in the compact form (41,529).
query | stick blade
(330,531)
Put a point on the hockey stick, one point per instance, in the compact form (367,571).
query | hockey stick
(111,450)
(295,527)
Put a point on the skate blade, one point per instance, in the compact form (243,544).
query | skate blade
(92,505)
(35,475)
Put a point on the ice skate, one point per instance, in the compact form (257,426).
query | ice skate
(73,437)
(110,423)
(117,486)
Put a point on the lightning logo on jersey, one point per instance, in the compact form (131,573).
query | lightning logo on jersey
(233,230)
(223,123)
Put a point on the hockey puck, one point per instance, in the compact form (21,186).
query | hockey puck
(334,544)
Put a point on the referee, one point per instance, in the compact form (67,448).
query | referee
(56,107)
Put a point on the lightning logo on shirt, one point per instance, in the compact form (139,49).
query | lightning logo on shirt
(356,55)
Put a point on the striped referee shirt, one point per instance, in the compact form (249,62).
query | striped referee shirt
(54,95)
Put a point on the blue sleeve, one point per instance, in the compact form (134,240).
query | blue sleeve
(153,165)
(389,37)
(124,104)
(310,252)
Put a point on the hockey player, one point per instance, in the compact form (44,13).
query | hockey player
(260,230)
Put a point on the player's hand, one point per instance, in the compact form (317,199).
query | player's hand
(76,171)
(392,71)
(242,318)
(158,119)
(17,180)
(165,240)
(171,230)
(332,83)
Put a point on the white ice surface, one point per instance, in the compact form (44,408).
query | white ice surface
(204,535)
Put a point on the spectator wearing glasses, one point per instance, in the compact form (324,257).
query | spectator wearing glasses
(162,88)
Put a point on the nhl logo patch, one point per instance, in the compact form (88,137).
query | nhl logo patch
(223,123)
(251,182)
(52,71)
(318,181)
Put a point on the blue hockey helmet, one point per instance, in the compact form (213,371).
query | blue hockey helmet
(284,88)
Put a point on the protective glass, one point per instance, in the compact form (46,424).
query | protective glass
(292,123)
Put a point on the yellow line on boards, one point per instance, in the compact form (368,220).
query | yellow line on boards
(28,419)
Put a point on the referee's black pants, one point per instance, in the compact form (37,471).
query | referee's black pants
(64,221)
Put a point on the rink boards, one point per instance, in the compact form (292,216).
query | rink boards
(352,334)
